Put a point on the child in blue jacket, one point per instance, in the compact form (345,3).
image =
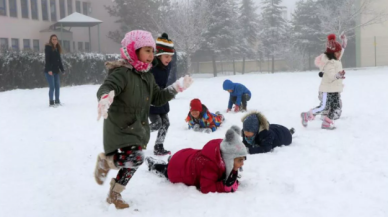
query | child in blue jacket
(239,95)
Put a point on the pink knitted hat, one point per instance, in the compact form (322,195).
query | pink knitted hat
(140,37)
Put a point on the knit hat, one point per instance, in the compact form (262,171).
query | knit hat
(332,45)
(231,148)
(164,45)
(132,41)
(196,105)
(228,85)
(251,123)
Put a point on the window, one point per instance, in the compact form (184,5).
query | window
(13,8)
(78,6)
(80,46)
(62,9)
(87,46)
(15,43)
(3,8)
(35,43)
(26,44)
(66,45)
(85,8)
(53,10)
(3,43)
(34,9)
(69,7)
(24,4)
(44,10)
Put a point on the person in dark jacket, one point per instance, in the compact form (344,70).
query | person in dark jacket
(214,168)
(53,64)
(261,137)
(125,98)
(239,95)
(161,71)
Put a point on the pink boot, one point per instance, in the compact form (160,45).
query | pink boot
(328,124)
(306,116)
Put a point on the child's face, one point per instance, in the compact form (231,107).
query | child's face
(195,114)
(238,163)
(146,54)
(165,59)
(248,134)
(230,91)
(338,54)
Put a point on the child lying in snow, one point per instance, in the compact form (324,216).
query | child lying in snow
(200,119)
(260,137)
(212,169)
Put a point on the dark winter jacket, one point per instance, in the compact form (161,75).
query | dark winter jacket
(268,137)
(174,69)
(238,91)
(201,168)
(53,61)
(161,73)
(127,122)
(206,119)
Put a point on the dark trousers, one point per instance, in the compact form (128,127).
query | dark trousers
(160,123)
(244,99)
(128,160)
(54,86)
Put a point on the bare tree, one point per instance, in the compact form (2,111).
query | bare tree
(344,17)
(186,24)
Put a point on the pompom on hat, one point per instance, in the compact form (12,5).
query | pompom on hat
(164,45)
(332,45)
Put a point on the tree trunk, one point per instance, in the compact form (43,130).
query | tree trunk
(309,60)
(273,64)
(234,67)
(222,67)
(214,65)
(243,65)
(188,62)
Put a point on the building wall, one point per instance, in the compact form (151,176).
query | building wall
(28,28)
(371,53)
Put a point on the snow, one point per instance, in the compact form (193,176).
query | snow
(48,155)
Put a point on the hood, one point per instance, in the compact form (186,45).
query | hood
(212,151)
(320,61)
(228,85)
(263,122)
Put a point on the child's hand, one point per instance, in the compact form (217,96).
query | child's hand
(236,108)
(197,128)
(103,106)
(207,130)
(231,184)
(340,75)
(183,83)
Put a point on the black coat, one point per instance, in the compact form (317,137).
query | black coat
(161,73)
(53,60)
(268,137)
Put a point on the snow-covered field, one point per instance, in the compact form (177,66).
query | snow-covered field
(47,155)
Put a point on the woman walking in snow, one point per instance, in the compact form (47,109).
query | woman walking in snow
(128,92)
(53,64)
(214,168)
(161,70)
(331,84)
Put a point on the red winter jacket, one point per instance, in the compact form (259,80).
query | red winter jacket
(201,168)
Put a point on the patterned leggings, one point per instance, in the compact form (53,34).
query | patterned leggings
(330,102)
(161,123)
(128,159)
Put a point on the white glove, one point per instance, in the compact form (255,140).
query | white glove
(182,83)
(207,130)
(197,128)
(103,106)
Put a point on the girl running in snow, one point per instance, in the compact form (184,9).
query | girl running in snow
(201,119)
(211,169)
(128,92)
(318,63)
(331,84)
(238,95)
(161,70)
(261,137)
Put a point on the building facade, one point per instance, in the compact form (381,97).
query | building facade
(27,25)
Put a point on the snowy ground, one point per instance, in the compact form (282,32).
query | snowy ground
(48,155)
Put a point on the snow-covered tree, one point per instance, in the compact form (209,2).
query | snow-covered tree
(273,30)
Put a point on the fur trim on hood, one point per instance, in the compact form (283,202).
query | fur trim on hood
(264,124)
(110,65)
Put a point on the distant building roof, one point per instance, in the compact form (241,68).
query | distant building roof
(78,20)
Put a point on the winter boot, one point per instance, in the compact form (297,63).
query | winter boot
(306,117)
(114,195)
(58,103)
(52,104)
(160,170)
(328,124)
(292,131)
(160,151)
(103,165)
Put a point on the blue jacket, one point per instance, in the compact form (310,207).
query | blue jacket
(161,73)
(238,91)
(268,137)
